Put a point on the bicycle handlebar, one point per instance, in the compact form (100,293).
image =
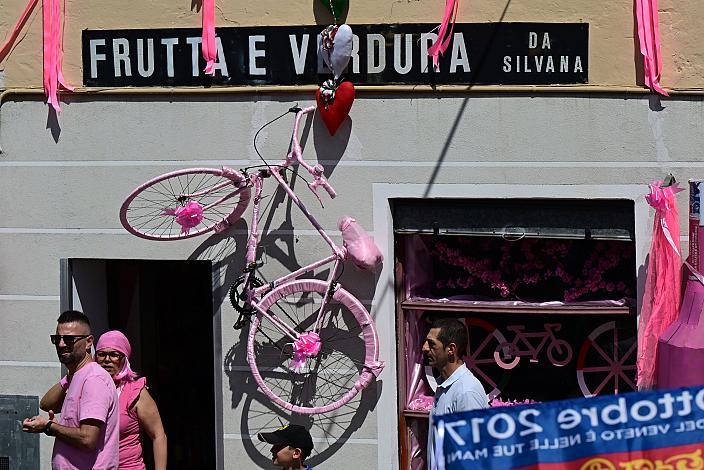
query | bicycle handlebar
(297,155)
(321,181)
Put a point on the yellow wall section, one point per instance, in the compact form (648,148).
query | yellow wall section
(613,60)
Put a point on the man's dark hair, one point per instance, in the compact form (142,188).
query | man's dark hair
(70,316)
(452,331)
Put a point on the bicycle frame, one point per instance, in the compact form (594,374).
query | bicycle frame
(547,334)
(253,242)
(212,199)
(338,253)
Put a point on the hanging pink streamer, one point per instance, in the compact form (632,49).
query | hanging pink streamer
(208,44)
(649,38)
(53,53)
(7,47)
(661,299)
(445,32)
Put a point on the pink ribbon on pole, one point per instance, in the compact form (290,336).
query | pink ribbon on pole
(208,44)
(445,32)
(53,53)
(649,38)
(307,345)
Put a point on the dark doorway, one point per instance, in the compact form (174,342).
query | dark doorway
(166,310)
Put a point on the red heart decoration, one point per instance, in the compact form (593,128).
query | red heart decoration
(336,111)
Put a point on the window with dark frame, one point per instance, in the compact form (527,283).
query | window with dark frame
(546,288)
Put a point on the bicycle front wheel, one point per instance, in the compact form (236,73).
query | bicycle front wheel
(148,211)
(348,358)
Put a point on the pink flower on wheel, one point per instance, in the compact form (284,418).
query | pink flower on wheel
(307,345)
(187,216)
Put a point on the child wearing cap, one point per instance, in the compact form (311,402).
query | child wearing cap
(291,445)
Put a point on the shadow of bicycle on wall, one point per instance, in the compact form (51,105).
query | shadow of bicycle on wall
(330,431)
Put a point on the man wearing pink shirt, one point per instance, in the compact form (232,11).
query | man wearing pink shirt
(87,435)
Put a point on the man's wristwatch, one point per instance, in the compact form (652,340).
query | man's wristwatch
(47,428)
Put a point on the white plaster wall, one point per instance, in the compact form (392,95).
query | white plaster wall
(61,190)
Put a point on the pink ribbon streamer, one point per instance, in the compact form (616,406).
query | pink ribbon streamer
(649,38)
(445,32)
(307,345)
(53,47)
(53,53)
(208,44)
(661,299)
(7,47)
(187,216)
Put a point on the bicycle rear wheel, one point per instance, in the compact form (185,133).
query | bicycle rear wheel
(348,358)
(148,211)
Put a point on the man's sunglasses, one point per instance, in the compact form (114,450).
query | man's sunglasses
(68,339)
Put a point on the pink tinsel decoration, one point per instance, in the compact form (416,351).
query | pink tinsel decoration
(422,403)
(498,402)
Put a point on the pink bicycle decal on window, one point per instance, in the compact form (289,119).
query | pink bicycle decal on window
(606,362)
(508,354)
(312,345)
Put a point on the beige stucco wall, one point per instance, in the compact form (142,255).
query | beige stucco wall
(613,61)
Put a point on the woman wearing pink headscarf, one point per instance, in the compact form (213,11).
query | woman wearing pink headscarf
(138,411)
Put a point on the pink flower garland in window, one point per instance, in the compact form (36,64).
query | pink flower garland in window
(536,264)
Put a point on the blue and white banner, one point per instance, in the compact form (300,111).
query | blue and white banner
(641,430)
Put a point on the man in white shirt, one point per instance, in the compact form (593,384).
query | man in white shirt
(459,390)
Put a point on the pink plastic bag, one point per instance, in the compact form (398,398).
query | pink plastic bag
(361,249)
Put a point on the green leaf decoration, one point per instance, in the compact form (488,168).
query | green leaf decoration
(336,7)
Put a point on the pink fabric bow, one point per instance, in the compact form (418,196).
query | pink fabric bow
(307,345)
(649,38)
(445,32)
(208,44)
(187,216)
(662,198)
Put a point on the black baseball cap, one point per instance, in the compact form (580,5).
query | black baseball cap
(293,435)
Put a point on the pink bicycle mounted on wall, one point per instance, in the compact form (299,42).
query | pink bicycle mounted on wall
(312,346)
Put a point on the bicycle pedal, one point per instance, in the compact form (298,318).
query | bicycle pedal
(534,360)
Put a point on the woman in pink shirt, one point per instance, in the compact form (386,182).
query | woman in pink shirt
(138,411)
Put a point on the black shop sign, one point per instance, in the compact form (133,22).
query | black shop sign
(479,53)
